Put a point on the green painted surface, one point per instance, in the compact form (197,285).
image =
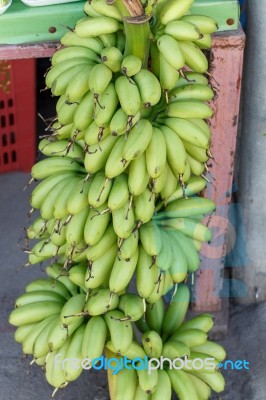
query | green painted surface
(21,24)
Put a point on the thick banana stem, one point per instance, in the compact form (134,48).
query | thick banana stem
(137,31)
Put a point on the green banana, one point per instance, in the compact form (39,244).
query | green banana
(131,65)
(128,95)
(106,9)
(112,57)
(115,164)
(175,151)
(149,87)
(187,131)
(138,140)
(194,58)
(75,305)
(175,313)
(182,30)
(106,106)
(128,247)
(101,301)
(171,10)
(78,200)
(210,348)
(168,75)
(144,207)
(155,315)
(126,384)
(91,348)
(156,154)
(163,388)
(34,312)
(146,274)
(205,23)
(121,332)
(96,224)
(93,27)
(152,344)
(132,306)
(70,39)
(83,116)
(60,333)
(49,166)
(96,156)
(124,220)
(122,273)
(138,177)
(150,238)
(181,385)
(49,285)
(99,190)
(170,49)
(99,78)
(119,193)
(148,380)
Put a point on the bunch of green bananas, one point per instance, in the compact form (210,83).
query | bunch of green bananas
(57,322)
(119,199)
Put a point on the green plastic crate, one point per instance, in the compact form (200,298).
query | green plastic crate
(21,24)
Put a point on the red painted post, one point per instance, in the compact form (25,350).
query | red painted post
(226,75)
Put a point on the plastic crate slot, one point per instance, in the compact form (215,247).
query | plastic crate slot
(11,119)
(14,156)
(3,121)
(2,104)
(12,138)
(5,158)
(4,140)
(10,103)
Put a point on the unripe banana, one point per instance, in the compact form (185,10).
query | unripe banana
(78,201)
(131,65)
(205,42)
(181,385)
(148,380)
(199,154)
(70,39)
(134,350)
(140,394)
(77,274)
(60,333)
(138,177)
(189,109)
(144,207)
(202,389)
(105,243)
(205,23)
(165,257)
(170,184)
(22,331)
(60,84)
(29,340)
(155,315)
(190,228)
(66,113)
(156,153)
(106,106)
(119,193)
(122,273)
(126,384)
(90,11)
(128,95)
(40,191)
(150,238)
(194,91)
(146,274)
(120,331)
(48,285)
(149,87)
(47,206)
(120,122)
(124,220)
(99,190)
(194,58)
(189,207)
(96,224)
(175,313)
(120,41)
(182,30)
(132,306)
(171,51)
(56,70)
(159,288)
(72,363)
(197,167)
(96,157)
(178,268)
(93,27)
(68,53)
(171,10)
(210,348)
(99,78)
(215,380)
(115,164)
(193,186)
(176,153)
(34,312)
(95,328)
(79,86)
(128,247)
(49,166)
(60,204)
(75,228)
(54,373)
(83,116)
(155,59)
(190,337)
(38,295)
(164,388)
(112,57)
(60,147)
(108,40)
(168,75)
(101,301)
(108,10)
(75,305)
(191,78)
(41,347)
(187,131)
(138,140)
(152,344)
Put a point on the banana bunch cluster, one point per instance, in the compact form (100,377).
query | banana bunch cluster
(119,200)
(57,322)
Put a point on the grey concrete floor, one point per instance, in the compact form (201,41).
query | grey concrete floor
(246,339)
